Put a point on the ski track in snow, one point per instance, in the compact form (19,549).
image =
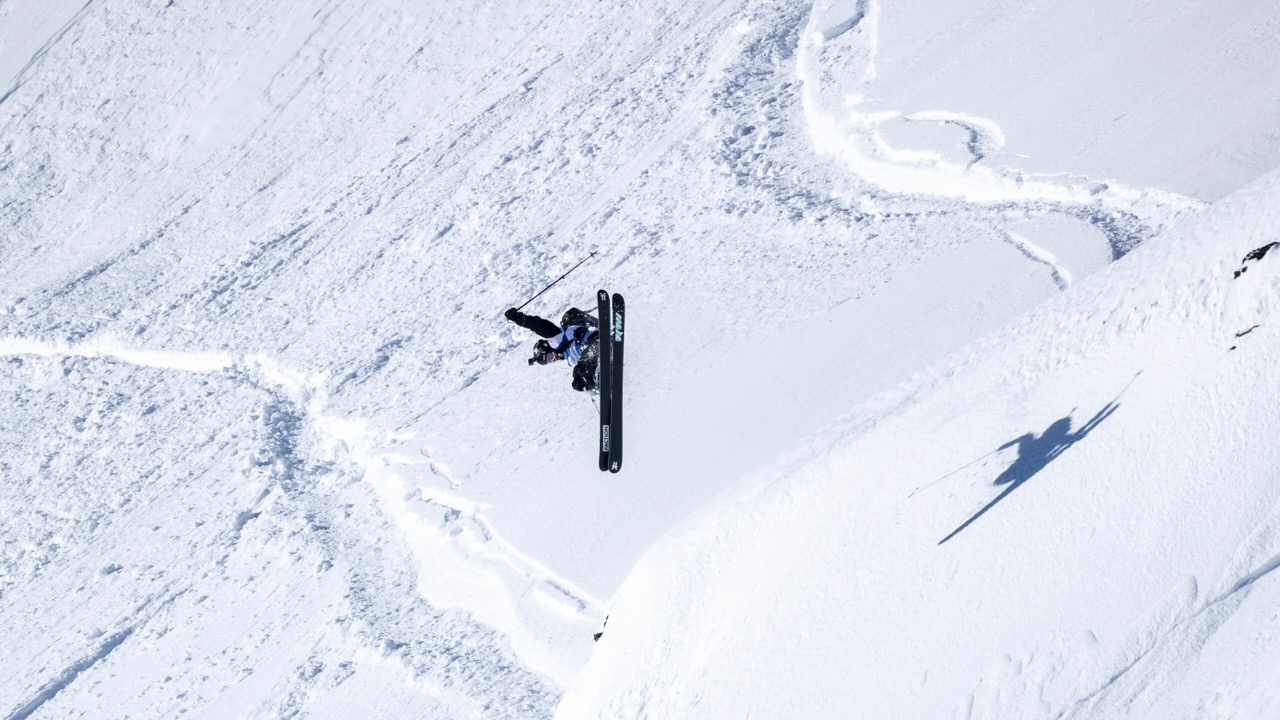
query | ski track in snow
(462,562)
(39,55)
(68,676)
(1061,276)
(839,129)
(145,611)
(1180,628)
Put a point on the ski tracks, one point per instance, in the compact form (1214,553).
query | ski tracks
(835,67)
(1061,276)
(69,675)
(21,77)
(1151,658)
(461,561)
(103,649)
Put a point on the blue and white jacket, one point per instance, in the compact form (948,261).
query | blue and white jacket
(573,341)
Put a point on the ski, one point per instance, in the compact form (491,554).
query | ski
(605,384)
(615,383)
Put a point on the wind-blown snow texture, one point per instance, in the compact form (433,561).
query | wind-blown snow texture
(269,449)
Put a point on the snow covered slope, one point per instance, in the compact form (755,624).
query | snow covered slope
(1077,517)
(267,445)
(1182,96)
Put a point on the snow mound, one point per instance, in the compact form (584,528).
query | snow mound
(1075,517)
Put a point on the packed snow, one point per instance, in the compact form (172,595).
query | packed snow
(949,389)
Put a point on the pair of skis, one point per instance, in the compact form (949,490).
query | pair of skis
(611,326)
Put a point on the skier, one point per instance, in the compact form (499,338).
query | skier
(576,340)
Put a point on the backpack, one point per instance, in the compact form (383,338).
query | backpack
(574,316)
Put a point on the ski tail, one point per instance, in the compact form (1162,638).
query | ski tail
(605,386)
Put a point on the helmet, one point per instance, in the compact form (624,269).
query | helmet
(543,354)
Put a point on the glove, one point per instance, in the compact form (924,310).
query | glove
(512,314)
(584,376)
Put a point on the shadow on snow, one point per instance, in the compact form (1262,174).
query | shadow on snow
(1035,454)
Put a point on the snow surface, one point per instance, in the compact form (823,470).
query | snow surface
(269,449)
(1078,516)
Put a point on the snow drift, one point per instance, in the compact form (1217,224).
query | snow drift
(1078,517)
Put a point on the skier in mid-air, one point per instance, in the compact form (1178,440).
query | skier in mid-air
(575,340)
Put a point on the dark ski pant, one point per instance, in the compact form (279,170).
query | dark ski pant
(543,327)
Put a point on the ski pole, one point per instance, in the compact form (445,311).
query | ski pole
(926,486)
(575,267)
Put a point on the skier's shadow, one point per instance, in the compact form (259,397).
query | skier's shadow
(1034,454)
